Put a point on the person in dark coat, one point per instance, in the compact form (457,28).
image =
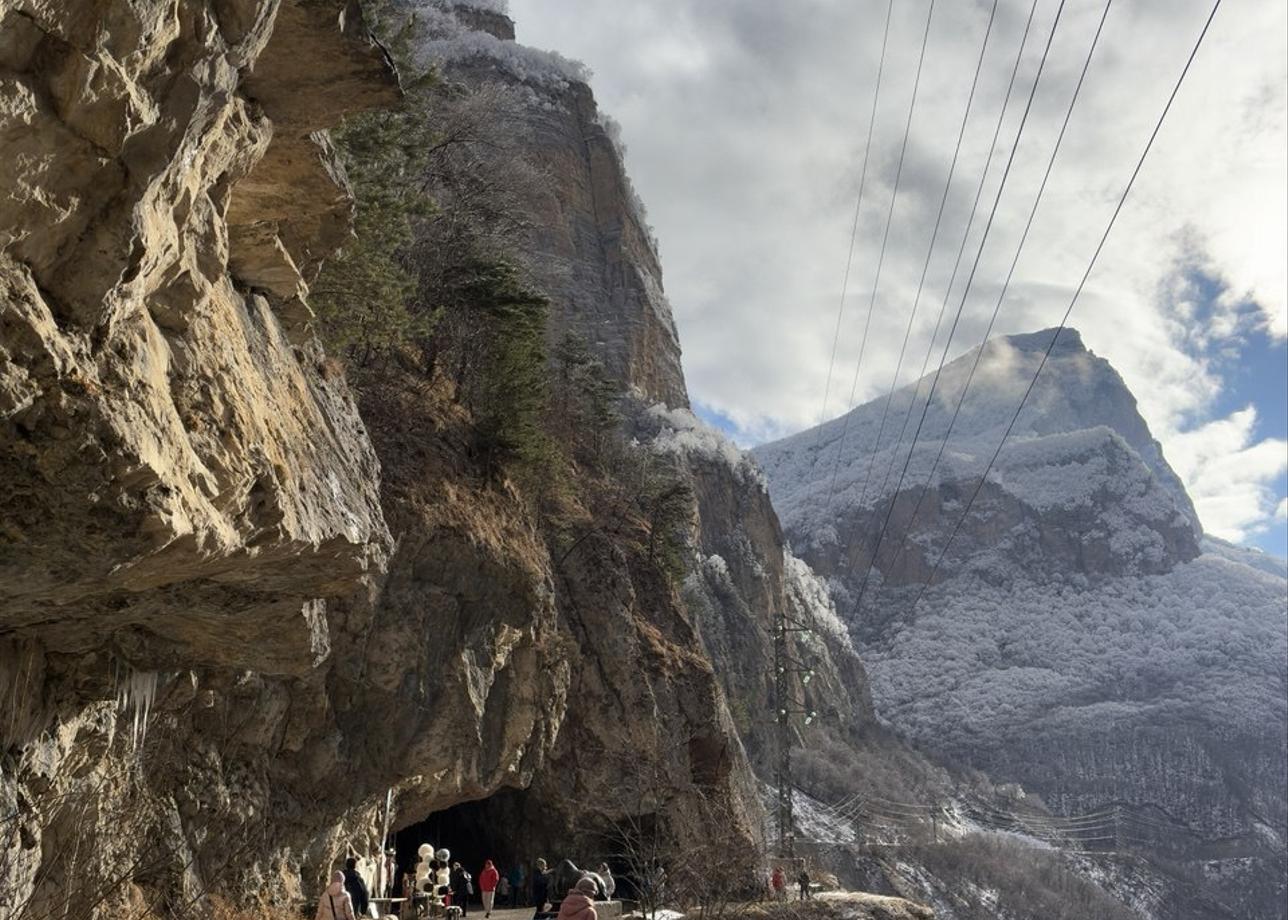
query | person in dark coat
(461,884)
(540,886)
(356,887)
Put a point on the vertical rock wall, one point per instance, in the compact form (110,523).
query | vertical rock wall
(183,483)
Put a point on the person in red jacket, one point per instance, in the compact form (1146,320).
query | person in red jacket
(488,879)
(778,881)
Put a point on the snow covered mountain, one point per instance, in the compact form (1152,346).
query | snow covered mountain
(1079,635)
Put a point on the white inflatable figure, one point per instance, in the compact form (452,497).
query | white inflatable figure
(423,853)
(444,857)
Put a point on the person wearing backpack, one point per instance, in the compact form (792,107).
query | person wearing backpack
(462,884)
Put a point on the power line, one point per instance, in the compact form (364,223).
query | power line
(1105,831)
(1076,294)
(930,248)
(854,227)
(961,251)
(1037,80)
(1019,249)
(885,239)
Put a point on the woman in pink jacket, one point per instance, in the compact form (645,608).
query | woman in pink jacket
(579,903)
(335,903)
(487,886)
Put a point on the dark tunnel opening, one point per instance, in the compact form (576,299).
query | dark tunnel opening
(510,827)
(472,832)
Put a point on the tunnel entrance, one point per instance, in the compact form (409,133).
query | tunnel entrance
(510,827)
(493,828)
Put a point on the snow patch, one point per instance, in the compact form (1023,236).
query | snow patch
(987,657)
(813,599)
(684,434)
(449,41)
(501,7)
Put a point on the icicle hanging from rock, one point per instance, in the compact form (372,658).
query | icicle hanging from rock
(135,694)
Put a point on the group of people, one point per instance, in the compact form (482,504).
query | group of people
(447,883)
(583,889)
(346,897)
(778,884)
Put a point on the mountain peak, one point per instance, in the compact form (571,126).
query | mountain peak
(1070,341)
(855,460)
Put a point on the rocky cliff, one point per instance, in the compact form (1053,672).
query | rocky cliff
(681,674)
(588,242)
(238,604)
(1075,637)
(184,483)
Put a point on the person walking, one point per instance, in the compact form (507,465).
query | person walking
(579,903)
(489,878)
(778,882)
(335,903)
(356,887)
(803,881)
(540,886)
(610,883)
(462,887)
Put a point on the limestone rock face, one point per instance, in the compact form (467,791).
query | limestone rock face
(168,423)
(450,679)
(232,614)
(183,481)
(588,245)
(593,253)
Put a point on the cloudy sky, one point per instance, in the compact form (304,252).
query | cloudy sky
(745,123)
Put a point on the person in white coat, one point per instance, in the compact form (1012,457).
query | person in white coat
(610,883)
(335,903)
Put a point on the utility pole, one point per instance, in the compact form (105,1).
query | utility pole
(783,769)
(785,706)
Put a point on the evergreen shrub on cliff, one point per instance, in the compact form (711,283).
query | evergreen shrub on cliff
(427,288)
(366,295)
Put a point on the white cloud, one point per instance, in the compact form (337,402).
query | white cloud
(1230,476)
(1281,512)
(745,124)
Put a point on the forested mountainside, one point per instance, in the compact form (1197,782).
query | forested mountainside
(1078,636)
